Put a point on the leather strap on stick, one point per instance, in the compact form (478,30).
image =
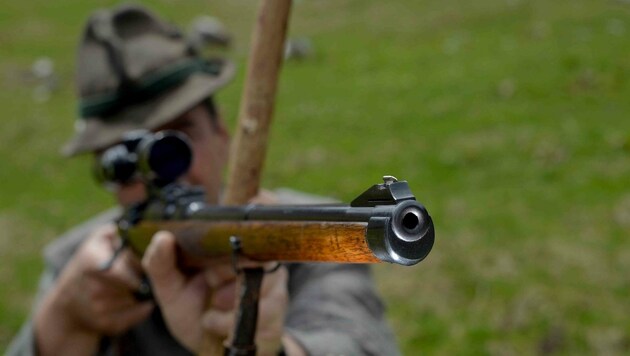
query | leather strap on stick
(248,149)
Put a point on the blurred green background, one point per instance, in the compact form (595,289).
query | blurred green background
(509,118)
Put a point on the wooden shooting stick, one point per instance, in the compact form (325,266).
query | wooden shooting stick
(257,101)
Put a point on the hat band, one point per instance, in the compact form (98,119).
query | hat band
(146,88)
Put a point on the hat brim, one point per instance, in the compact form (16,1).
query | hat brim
(98,133)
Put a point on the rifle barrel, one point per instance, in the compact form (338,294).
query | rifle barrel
(400,233)
(284,213)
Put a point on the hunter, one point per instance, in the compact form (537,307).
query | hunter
(136,71)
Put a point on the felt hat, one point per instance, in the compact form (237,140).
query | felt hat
(136,71)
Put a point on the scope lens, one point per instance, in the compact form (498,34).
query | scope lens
(169,157)
(116,165)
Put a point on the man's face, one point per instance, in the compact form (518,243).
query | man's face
(209,141)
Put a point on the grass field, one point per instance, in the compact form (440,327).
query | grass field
(510,119)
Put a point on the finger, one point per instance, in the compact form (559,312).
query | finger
(160,263)
(123,320)
(132,260)
(107,237)
(222,271)
(125,271)
(274,281)
(222,279)
(273,305)
(125,267)
(113,304)
(110,230)
(219,275)
(224,297)
(118,281)
(274,294)
(272,308)
(218,322)
(98,248)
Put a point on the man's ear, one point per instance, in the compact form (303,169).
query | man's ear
(221,127)
(223,136)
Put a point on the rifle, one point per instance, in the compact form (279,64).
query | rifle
(383,224)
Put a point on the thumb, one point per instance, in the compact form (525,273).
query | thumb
(160,264)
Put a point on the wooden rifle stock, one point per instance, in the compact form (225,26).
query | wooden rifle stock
(287,241)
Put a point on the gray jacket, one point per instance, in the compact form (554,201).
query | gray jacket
(333,310)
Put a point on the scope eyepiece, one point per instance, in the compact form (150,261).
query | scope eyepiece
(156,158)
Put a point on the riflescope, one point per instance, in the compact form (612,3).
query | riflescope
(155,158)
